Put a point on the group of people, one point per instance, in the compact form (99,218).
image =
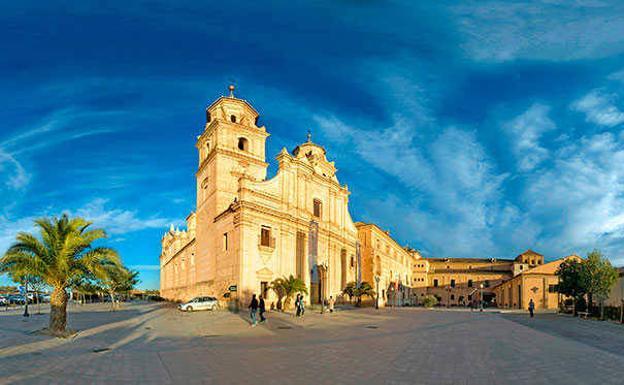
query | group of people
(257,307)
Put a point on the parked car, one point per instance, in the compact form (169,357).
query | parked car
(199,303)
(17,299)
(3,301)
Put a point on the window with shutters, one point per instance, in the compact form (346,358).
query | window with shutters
(266,240)
(317,208)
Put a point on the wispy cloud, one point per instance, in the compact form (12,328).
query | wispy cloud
(145,267)
(498,31)
(581,198)
(526,131)
(61,126)
(12,172)
(453,196)
(120,221)
(115,221)
(599,108)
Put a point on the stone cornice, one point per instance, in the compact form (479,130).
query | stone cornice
(214,124)
(234,154)
(189,243)
(324,228)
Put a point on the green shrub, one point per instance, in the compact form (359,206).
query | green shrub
(429,301)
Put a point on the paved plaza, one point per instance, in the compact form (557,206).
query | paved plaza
(155,344)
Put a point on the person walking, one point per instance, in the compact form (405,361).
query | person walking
(331,303)
(298,306)
(531,307)
(302,305)
(261,309)
(253,309)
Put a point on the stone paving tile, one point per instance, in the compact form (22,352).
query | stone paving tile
(154,345)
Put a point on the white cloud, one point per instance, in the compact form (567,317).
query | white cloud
(456,185)
(119,221)
(526,131)
(12,172)
(145,267)
(498,31)
(61,126)
(114,220)
(581,198)
(599,108)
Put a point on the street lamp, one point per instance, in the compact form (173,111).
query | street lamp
(324,278)
(481,297)
(377,278)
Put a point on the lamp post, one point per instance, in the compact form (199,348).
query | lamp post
(481,297)
(377,278)
(324,278)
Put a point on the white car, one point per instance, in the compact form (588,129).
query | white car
(199,303)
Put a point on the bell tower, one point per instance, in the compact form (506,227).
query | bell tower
(230,147)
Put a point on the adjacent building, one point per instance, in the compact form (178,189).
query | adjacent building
(539,284)
(386,265)
(248,230)
(462,281)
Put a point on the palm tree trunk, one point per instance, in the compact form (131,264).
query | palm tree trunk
(58,311)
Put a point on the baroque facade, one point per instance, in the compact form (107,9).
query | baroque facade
(386,265)
(248,230)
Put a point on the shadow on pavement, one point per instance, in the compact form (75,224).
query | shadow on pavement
(605,336)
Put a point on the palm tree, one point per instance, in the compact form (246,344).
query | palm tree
(352,290)
(288,287)
(61,256)
(278,287)
(118,280)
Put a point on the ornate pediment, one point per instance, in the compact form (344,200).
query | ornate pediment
(265,274)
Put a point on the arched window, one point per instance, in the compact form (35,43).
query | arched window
(233,118)
(243,144)
(208,117)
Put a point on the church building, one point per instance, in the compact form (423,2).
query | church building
(248,230)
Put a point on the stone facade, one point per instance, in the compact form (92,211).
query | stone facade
(539,284)
(386,265)
(249,230)
(462,281)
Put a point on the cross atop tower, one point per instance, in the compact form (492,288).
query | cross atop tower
(309,136)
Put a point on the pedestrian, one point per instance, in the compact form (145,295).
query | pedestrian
(297,306)
(531,307)
(331,304)
(261,309)
(253,309)
(302,305)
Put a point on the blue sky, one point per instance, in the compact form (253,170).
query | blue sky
(471,129)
